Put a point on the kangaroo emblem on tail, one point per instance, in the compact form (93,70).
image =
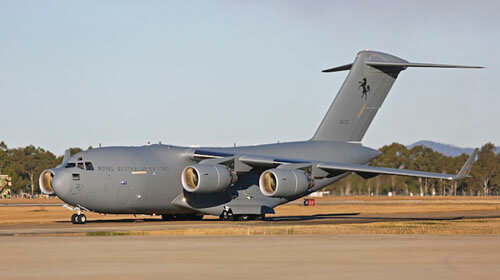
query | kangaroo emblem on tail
(365,88)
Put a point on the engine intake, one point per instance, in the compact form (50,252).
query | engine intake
(207,178)
(45,182)
(283,182)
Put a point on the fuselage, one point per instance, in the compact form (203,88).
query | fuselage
(147,179)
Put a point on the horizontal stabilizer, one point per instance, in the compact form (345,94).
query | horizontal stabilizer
(339,68)
(411,64)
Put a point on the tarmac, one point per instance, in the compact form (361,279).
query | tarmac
(253,257)
(51,250)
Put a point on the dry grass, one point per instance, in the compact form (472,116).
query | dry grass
(45,215)
(393,207)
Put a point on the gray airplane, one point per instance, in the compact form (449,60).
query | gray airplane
(238,183)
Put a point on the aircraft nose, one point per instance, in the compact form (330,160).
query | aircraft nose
(61,183)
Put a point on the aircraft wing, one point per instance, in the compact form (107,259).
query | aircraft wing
(364,171)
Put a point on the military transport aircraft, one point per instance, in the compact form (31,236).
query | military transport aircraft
(238,183)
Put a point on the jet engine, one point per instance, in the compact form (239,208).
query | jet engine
(283,182)
(45,182)
(207,178)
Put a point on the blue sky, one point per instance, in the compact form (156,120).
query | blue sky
(80,73)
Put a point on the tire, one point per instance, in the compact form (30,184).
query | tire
(226,216)
(73,219)
(77,219)
(82,219)
(243,217)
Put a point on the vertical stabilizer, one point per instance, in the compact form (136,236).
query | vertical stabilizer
(359,98)
(370,78)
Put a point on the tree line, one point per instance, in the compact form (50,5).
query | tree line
(25,164)
(484,177)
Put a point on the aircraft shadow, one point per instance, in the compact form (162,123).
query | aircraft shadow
(311,217)
(117,221)
(348,218)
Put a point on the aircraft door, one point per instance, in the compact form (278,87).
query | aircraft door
(134,196)
(122,198)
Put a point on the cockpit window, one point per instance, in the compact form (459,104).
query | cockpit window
(80,165)
(89,166)
(70,165)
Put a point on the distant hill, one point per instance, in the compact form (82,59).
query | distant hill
(445,149)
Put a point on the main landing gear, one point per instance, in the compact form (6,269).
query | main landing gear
(227,215)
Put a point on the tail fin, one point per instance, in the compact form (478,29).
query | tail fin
(370,78)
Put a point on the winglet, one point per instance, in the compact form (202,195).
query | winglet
(464,172)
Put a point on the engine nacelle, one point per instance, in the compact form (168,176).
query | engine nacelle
(283,182)
(45,182)
(207,178)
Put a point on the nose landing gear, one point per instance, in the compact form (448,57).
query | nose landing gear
(79,218)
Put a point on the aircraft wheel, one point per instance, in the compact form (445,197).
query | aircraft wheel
(82,219)
(226,216)
(74,219)
(243,217)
